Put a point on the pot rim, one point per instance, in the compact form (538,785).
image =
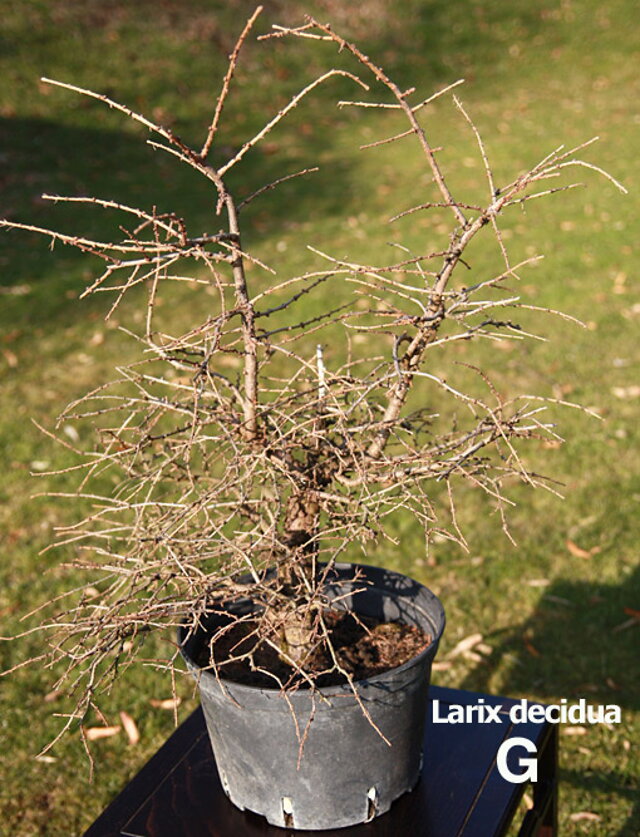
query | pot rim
(438,623)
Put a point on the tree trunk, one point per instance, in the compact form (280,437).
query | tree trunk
(297,576)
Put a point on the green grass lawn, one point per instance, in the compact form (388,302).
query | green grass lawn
(556,614)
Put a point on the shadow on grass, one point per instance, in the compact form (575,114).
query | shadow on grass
(45,156)
(431,43)
(608,783)
(582,642)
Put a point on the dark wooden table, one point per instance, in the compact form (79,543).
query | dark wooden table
(461,792)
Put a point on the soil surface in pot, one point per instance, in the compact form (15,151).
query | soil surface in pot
(363,648)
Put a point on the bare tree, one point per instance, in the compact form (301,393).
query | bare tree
(236,446)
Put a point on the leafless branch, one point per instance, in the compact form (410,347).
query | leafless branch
(243,457)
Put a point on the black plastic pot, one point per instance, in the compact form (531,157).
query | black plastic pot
(347,774)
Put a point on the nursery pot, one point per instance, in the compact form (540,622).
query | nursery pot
(347,773)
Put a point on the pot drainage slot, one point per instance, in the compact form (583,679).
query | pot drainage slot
(287,811)
(372,804)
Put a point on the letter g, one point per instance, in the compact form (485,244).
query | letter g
(531,764)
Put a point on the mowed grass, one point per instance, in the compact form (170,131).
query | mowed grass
(557,612)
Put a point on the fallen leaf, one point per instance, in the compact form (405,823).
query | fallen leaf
(465,645)
(46,759)
(619,283)
(632,391)
(530,647)
(10,357)
(10,336)
(16,290)
(159,114)
(441,666)
(528,801)
(558,600)
(95,733)
(171,703)
(504,345)
(15,535)
(585,815)
(623,626)
(562,390)
(71,433)
(574,730)
(632,612)
(578,551)
(39,465)
(539,582)
(130,728)
(51,696)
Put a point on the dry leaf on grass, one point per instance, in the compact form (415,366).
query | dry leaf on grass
(628,623)
(96,733)
(10,357)
(585,815)
(632,391)
(574,731)
(71,433)
(579,552)
(530,647)
(16,290)
(473,656)
(441,666)
(51,696)
(130,728)
(465,645)
(558,600)
(167,703)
